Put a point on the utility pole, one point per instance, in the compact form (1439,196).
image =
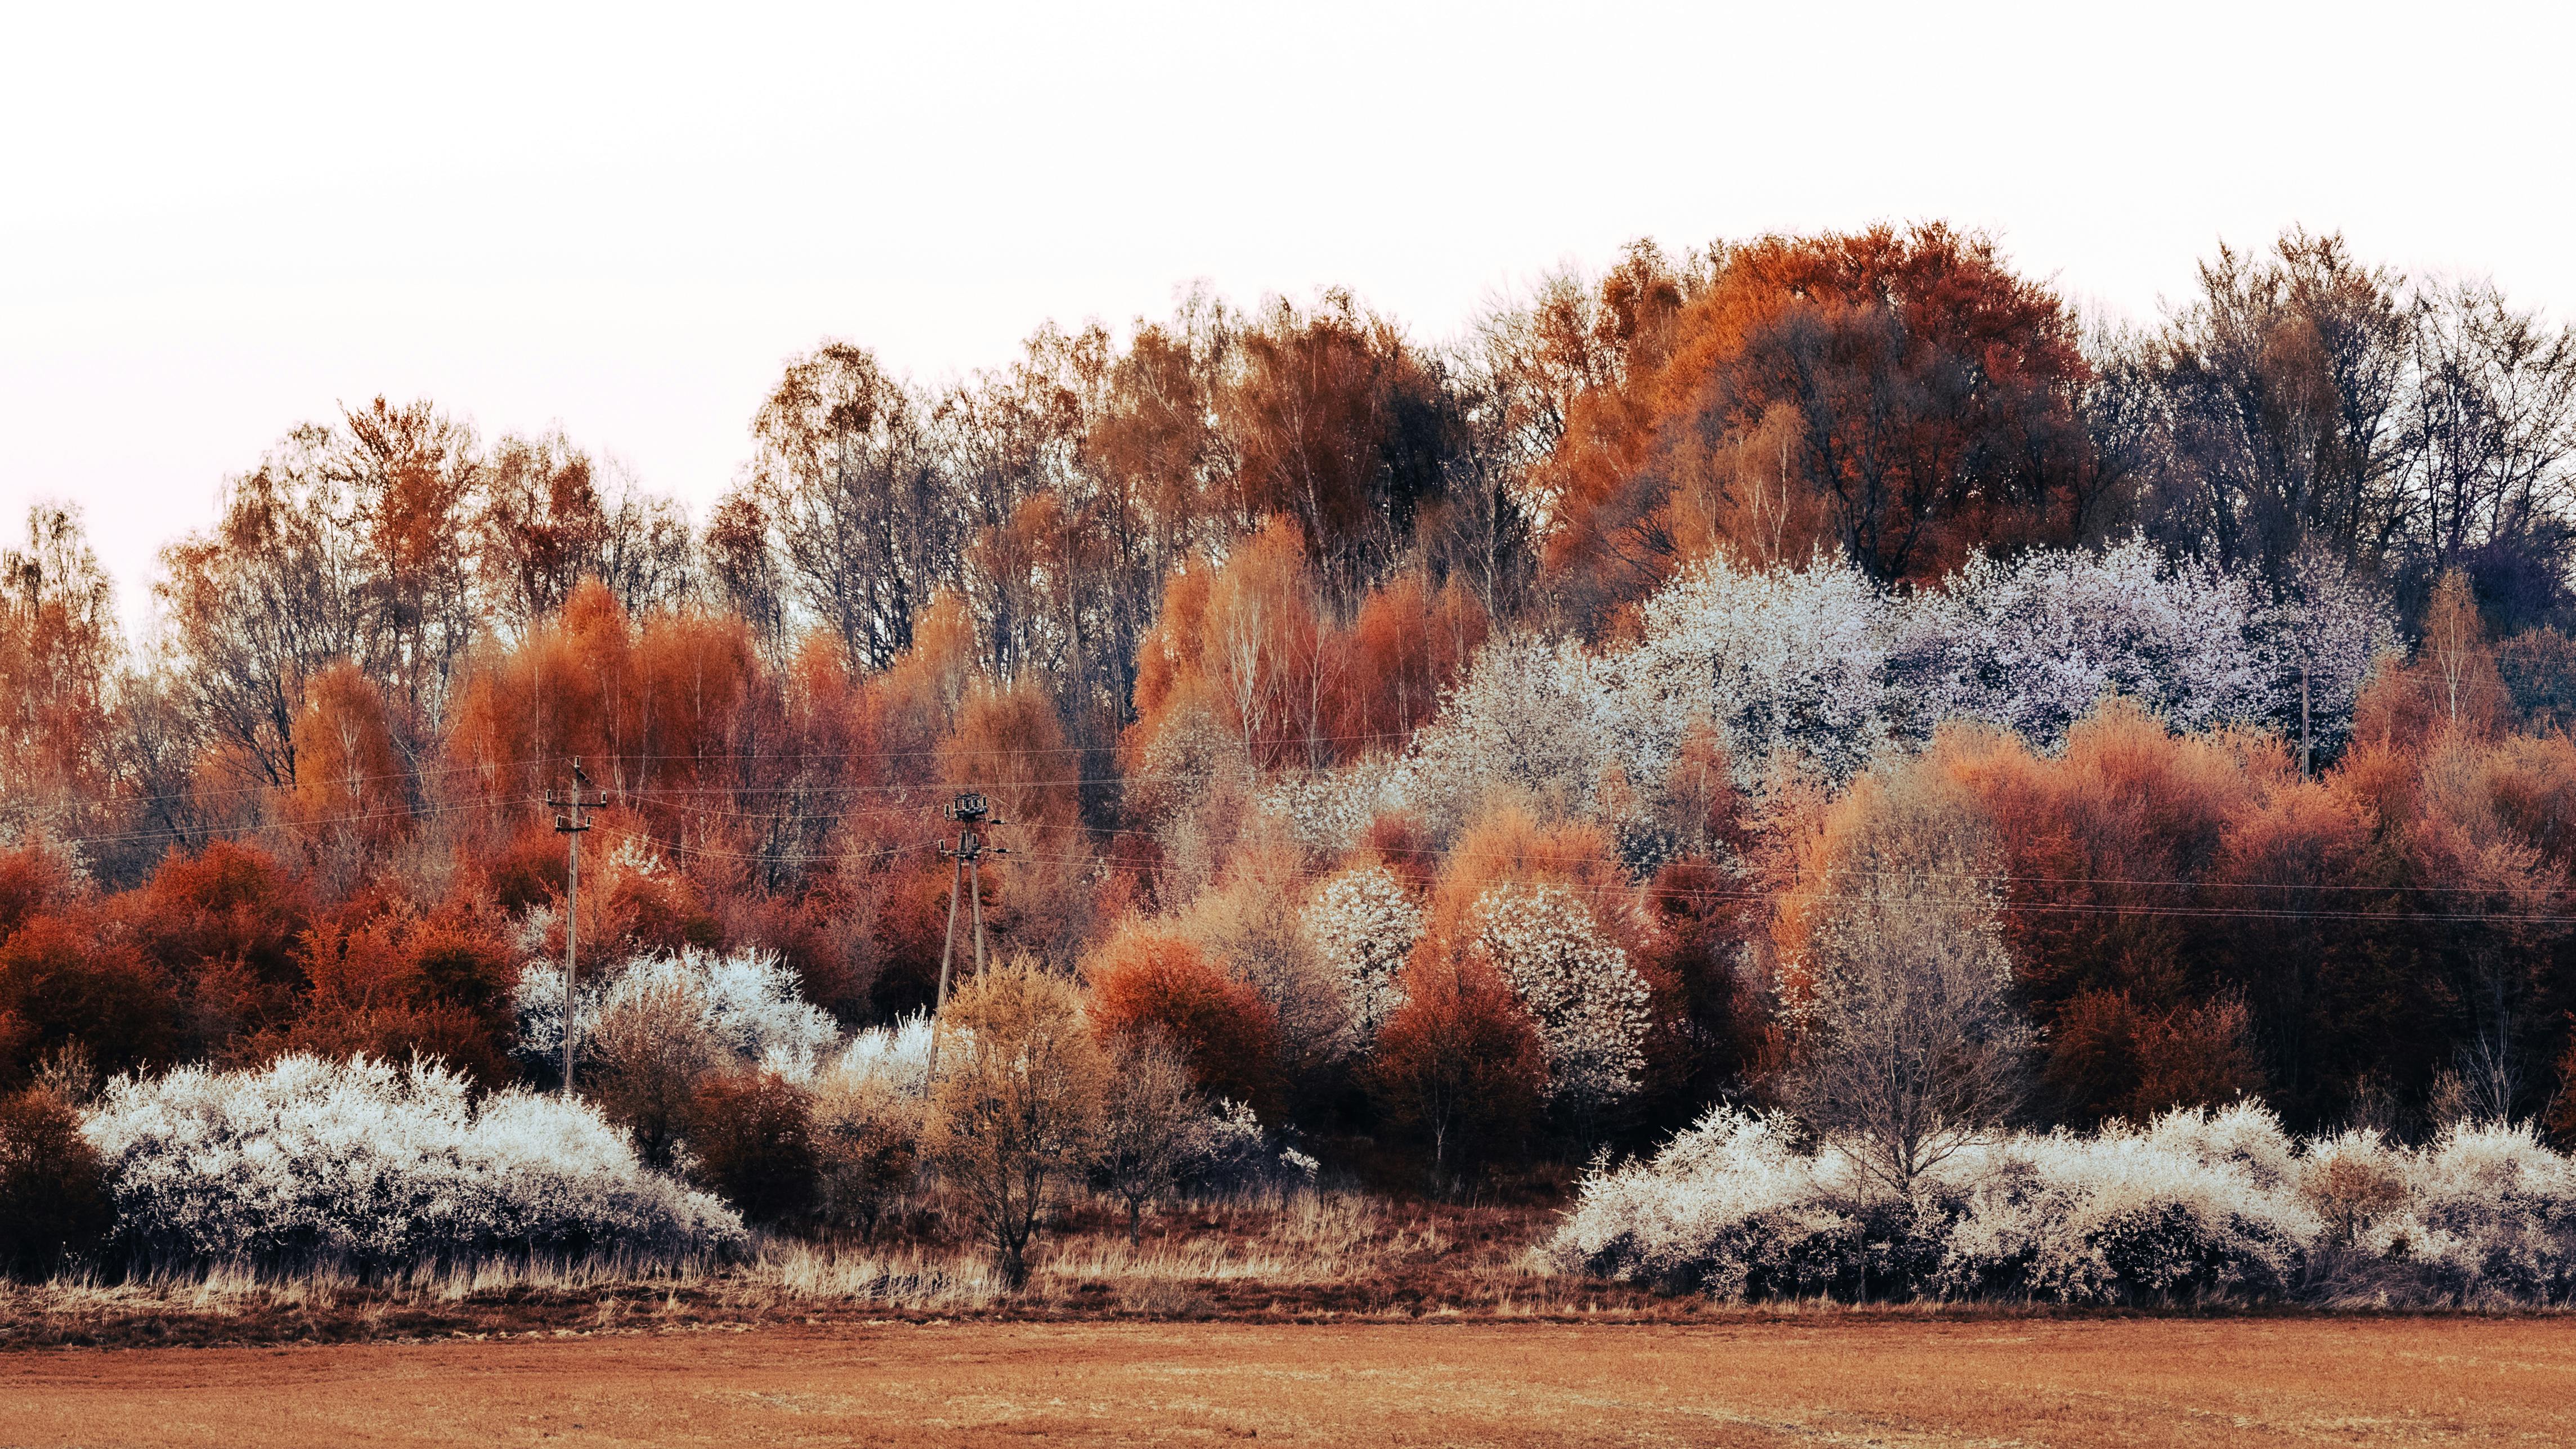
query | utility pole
(570,823)
(969,810)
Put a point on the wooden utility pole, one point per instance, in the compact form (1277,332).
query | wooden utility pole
(570,823)
(969,810)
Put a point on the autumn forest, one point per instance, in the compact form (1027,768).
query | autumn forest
(1460,755)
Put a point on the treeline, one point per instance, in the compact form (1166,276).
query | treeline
(1238,617)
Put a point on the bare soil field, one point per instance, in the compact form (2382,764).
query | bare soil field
(1823,1379)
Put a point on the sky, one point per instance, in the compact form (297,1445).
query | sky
(218,222)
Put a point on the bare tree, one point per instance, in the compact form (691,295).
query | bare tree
(2489,430)
(60,653)
(648,556)
(743,575)
(538,527)
(1912,1046)
(408,476)
(848,477)
(258,603)
(2282,385)
(1150,1126)
(1016,1108)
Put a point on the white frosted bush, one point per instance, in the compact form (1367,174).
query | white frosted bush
(1726,1208)
(2196,1206)
(1820,665)
(1227,1146)
(747,1000)
(1587,1000)
(1363,924)
(2131,1215)
(2244,1133)
(2490,1214)
(374,1165)
(896,1057)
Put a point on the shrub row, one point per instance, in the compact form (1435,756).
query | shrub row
(2196,1207)
(371,1165)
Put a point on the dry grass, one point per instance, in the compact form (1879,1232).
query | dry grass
(1307,1257)
(1846,1378)
(1301,1256)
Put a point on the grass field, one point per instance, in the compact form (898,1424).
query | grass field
(1832,1379)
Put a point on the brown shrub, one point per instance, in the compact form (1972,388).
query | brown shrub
(54,1202)
(1147,982)
(867,1152)
(1015,1109)
(74,978)
(751,1142)
(1458,1066)
(647,1057)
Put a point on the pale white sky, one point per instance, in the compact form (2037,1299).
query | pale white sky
(218,221)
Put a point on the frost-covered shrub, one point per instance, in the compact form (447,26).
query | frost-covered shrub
(2031,645)
(2490,1213)
(746,1000)
(1587,1000)
(896,1057)
(2196,1206)
(2178,1211)
(2244,1135)
(1779,659)
(1820,665)
(1363,923)
(375,1165)
(1226,1147)
(1730,1209)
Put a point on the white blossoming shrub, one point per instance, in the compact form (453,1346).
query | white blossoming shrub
(1363,924)
(1587,1000)
(378,1166)
(2032,645)
(1533,719)
(1728,1209)
(2490,1214)
(896,1057)
(2177,1212)
(2197,1206)
(747,1000)
(1327,809)
(1779,659)
(1822,666)
(2334,627)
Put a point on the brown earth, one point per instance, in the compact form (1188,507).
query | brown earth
(1823,1379)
